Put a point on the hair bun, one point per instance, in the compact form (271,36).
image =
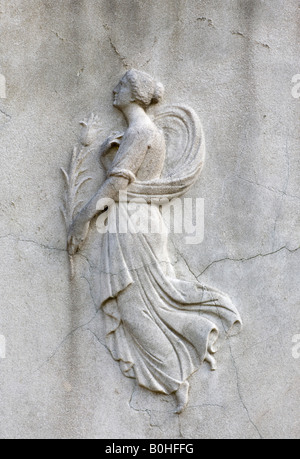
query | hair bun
(158,93)
(145,89)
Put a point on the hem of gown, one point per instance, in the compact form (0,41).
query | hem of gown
(127,366)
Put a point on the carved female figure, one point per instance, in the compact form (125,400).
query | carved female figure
(160,329)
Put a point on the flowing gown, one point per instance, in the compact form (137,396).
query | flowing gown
(159,328)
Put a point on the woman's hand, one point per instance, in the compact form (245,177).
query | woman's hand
(77,234)
(113,140)
(116,139)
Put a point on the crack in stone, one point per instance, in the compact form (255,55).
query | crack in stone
(64,341)
(91,292)
(257,344)
(151,57)
(183,258)
(272,190)
(99,341)
(136,409)
(43,246)
(122,58)
(30,241)
(206,405)
(114,47)
(5,114)
(240,34)
(238,383)
(63,39)
(285,190)
(148,411)
(188,266)
(264,45)
(211,24)
(100,271)
(209,21)
(240,393)
(242,260)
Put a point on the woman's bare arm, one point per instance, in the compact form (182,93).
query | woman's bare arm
(110,189)
(79,229)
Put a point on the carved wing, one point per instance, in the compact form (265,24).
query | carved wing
(184,138)
(185,154)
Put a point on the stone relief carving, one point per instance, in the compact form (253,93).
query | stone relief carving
(159,328)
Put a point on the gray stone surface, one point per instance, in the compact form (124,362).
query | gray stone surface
(233,62)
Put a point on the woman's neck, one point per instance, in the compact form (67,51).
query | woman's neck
(135,114)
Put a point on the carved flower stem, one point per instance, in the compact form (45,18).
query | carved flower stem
(76,178)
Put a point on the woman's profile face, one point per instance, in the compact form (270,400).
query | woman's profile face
(122,94)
